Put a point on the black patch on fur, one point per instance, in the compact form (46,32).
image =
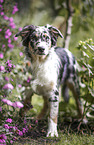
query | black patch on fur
(53,100)
(56,93)
(32,44)
(26,40)
(28,54)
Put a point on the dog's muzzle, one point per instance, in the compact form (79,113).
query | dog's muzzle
(41,51)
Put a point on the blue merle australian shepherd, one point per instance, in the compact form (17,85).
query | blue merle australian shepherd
(51,67)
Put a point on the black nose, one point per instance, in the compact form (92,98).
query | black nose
(41,49)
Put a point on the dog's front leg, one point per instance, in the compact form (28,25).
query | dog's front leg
(53,115)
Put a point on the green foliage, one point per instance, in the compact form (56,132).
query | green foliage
(86,62)
(12,74)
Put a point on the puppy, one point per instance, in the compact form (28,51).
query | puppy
(51,66)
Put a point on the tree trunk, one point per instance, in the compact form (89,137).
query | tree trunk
(68,24)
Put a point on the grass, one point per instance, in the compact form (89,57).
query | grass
(64,139)
(74,139)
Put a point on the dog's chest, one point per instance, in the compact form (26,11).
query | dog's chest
(45,74)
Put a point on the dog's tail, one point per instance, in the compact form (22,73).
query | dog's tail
(65,93)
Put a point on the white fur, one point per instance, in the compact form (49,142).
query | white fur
(52,129)
(45,72)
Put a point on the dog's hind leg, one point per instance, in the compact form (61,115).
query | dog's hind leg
(26,102)
(74,87)
(65,93)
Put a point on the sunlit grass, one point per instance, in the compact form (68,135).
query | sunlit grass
(64,139)
(37,102)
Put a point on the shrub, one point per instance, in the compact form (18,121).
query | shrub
(11,74)
(86,62)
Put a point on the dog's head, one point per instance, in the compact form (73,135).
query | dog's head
(39,39)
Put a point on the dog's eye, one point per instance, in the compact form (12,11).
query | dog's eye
(34,38)
(45,37)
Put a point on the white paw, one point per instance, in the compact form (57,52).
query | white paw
(52,129)
(52,134)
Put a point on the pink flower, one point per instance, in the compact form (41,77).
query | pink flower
(2,141)
(0,29)
(25,121)
(1,6)
(12,25)
(4,96)
(5,17)
(11,78)
(2,138)
(10,46)
(6,126)
(21,54)
(9,40)
(8,33)
(9,65)
(14,138)
(9,120)
(20,133)
(36,121)
(11,141)
(28,80)
(8,86)
(19,85)
(15,38)
(6,36)
(8,102)
(8,30)
(0,109)
(20,29)
(2,13)
(17,104)
(2,68)
(15,9)
(1,55)
(3,45)
(1,1)
(24,130)
(11,19)
(7,79)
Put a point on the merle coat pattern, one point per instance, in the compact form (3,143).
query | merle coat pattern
(51,67)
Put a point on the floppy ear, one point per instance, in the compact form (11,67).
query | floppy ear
(54,32)
(25,33)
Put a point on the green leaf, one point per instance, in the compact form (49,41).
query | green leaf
(88,98)
(85,54)
(91,47)
(91,90)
